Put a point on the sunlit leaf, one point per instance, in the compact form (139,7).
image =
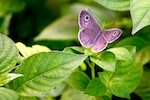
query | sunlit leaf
(43,71)
(78,80)
(107,61)
(65,28)
(120,5)
(140,13)
(8,54)
(7,94)
(28,51)
(7,77)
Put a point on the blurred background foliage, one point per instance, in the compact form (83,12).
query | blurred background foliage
(53,23)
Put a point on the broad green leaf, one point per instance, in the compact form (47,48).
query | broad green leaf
(8,54)
(43,71)
(136,41)
(73,49)
(7,77)
(143,90)
(140,13)
(95,88)
(8,94)
(65,28)
(124,80)
(74,94)
(119,5)
(11,6)
(107,61)
(28,51)
(78,80)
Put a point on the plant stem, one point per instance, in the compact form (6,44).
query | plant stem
(92,70)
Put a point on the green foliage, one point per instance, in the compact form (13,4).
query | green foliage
(8,54)
(7,94)
(74,72)
(107,61)
(140,14)
(120,5)
(79,80)
(99,88)
(43,71)
(7,77)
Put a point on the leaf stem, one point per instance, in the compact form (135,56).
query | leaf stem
(92,65)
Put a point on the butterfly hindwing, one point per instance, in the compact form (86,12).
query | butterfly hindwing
(112,34)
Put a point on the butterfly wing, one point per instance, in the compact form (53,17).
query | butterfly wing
(100,44)
(89,29)
(87,37)
(85,20)
(111,35)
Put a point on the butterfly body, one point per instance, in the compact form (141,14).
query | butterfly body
(91,36)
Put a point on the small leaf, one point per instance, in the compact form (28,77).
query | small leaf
(7,94)
(95,88)
(74,94)
(120,5)
(74,49)
(28,51)
(140,13)
(78,80)
(43,71)
(66,28)
(8,54)
(7,77)
(107,61)
(121,54)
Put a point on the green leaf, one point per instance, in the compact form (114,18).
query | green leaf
(121,53)
(7,94)
(7,77)
(140,13)
(95,88)
(65,28)
(74,94)
(43,71)
(143,56)
(120,5)
(8,54)
(11,6)
(27,98)
(143,90)
(78,80)
(136,41)
(74,49)
(124,80)
(107,61)
(28,51)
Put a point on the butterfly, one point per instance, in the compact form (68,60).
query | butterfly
(90,34)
